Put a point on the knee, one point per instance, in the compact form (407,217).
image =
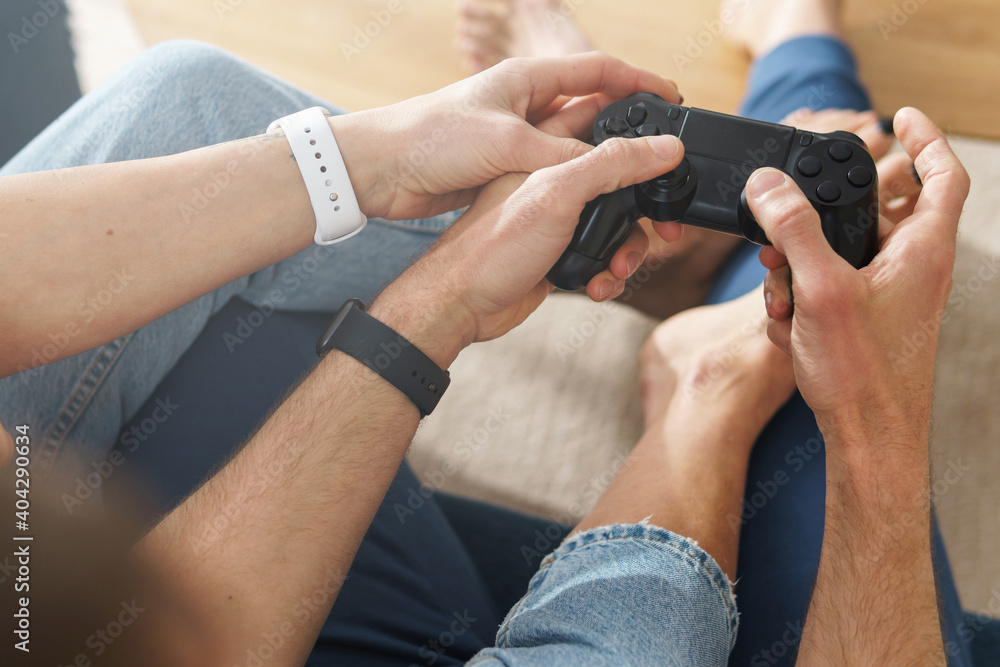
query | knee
(188,60)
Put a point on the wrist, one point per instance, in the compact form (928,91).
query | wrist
(364,158)
(432,319)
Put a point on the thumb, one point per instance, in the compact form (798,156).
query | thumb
(614,164)
(793,227)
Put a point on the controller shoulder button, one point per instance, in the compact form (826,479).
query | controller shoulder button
(615,125)
(648,130)
(636,115)
(810,166)
(860,177)
(828,192)
(805,139)
(841,151)
(673,113)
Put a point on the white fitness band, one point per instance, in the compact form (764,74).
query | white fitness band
(338,216)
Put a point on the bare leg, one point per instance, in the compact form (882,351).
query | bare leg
(760,25)
(491,30)
(711,380)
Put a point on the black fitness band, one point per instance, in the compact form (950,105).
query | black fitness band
(377,346)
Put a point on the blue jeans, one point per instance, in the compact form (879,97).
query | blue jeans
(626,593)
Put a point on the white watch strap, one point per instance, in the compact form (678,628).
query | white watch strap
(338,216)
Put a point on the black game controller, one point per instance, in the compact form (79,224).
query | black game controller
(835,171)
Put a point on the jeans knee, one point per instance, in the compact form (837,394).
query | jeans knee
(189,61)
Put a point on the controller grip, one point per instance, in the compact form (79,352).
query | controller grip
(604,225)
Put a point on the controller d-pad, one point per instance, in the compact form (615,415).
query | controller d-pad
(616,126)
(673,113)
(648,130)
(841,151)
(636,116)
(860,177)
(828,192)
(810,166)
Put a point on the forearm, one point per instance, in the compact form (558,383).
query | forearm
(94,252)
(875,600)
(264,546)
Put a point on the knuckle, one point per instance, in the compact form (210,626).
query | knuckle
(791,213)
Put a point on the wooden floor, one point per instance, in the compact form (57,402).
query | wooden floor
(942,56)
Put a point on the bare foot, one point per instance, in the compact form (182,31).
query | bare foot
(715,356)
(489,31)
(760,25)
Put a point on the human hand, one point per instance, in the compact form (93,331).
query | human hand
(863,342)
(486,274)
(431,154)
(669,241)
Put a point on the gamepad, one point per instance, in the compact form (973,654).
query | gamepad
(835,171)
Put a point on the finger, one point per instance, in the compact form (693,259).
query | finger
(583,74)
(671,232)
(771,258)
(614,164)
(897,178)
(946,183)
(605,286)
(631,255)
(780,334)
(575,119)
(873,134)
(778,293)
(793,227)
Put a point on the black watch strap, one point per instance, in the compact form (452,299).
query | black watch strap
(377,346)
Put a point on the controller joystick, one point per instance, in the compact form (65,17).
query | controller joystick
(707,189)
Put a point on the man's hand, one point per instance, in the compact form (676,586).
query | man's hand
(487,273)
(862,346)
(431,154)
(850,328)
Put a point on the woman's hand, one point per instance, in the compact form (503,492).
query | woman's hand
(431,154)
(487,273)
(863,342)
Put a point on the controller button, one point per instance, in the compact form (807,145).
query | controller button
(673,113)
(828,192)
(636,115)
(841,151)
(860,177)
(810,166)
(615,125)
(648,130)
(805,139)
